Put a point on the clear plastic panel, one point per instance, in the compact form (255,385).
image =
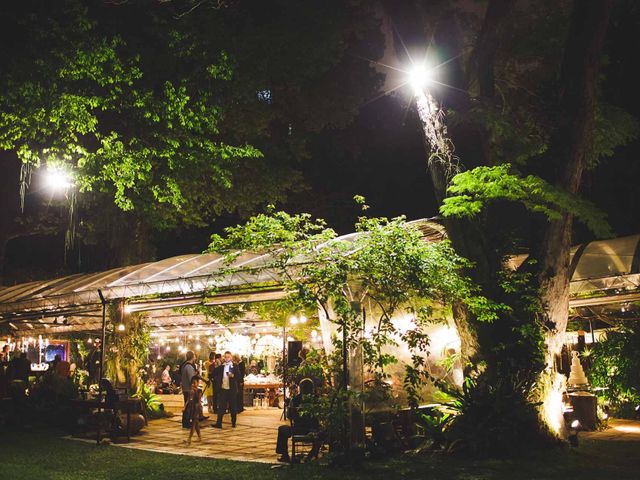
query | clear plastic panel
(14,292)
(188,268)
(146,273)
(605,258)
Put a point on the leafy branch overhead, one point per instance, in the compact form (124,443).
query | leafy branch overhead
(387,269)
(471,191)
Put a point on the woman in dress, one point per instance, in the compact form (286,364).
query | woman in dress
(193,409)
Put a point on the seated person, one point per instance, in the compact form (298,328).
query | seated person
(300,424)
(110,395)
(166,377)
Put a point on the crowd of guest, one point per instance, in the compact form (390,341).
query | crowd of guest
(15,369)
(221,382)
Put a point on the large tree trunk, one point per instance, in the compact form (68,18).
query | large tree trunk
(569,151)
(468,236)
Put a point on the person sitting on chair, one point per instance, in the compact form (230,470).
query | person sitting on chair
(300,424)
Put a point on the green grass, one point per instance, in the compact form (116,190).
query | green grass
(46,456)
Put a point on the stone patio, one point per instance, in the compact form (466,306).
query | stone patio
(253,439)
(619,430)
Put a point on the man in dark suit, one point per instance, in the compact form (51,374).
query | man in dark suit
(226,376)
(215,380)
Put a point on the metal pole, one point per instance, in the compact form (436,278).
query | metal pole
(345,386)
(101,366)
(284,369)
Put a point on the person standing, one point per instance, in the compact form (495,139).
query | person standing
(228,394)
(193,409)
(93,362)
(240,379)
(187,372)
(208,391)
(215,380)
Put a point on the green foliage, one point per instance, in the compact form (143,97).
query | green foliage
(165,116)
(473,190)
(152,402)
(614,365)
(613,127)
(385,269)
(128,350)
(88,101)
(494,418)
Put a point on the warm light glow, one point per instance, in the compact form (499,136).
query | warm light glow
(121,327)
(419,77)
(293,320)
(627,428)
(575,424)
(168,348)
(57,179)
(552,405)
(127,309)
(314,334)
(404,323)
(302,319)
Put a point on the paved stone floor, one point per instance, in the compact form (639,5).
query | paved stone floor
(253,439)
(619,430)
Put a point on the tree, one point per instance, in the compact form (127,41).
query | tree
(180,117)
(359,284)
(511,125)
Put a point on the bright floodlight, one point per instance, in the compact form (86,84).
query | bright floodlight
(57,179)
(419,76)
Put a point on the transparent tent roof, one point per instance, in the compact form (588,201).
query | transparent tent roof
(181,276)
(599,267)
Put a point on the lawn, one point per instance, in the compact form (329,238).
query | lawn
(46,456)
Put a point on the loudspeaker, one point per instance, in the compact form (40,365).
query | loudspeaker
(293,358)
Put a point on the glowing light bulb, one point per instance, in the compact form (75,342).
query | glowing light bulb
(57,179)
(419,77)
(302,319)
(121,327)
(293,320)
